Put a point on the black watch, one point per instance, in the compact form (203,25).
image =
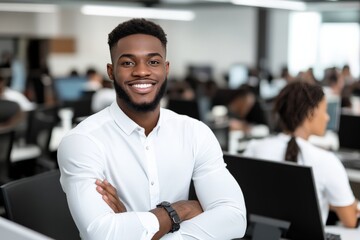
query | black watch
(175,219)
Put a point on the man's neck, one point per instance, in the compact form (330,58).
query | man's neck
(146,120)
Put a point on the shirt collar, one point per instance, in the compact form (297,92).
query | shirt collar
(125,123)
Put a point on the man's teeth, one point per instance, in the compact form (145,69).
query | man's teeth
(143,85)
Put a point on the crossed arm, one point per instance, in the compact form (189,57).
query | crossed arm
(186,209)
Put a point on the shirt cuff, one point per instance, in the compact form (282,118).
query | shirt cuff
(150,223)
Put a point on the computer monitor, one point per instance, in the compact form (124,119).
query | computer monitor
(223,96)
(238,75)
(69,88)
(14,231)
(279,191)
(334,111)
(349,131)
(186,107)
(202,73)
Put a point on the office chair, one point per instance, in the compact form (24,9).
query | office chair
(36,144)
(186,107)
(39,126)
(6,143)
(39,203)
(81,107)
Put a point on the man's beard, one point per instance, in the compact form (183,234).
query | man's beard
(143,107)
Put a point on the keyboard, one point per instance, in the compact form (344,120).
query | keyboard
(347,156)
(332,236)
(355,164)
(350,159)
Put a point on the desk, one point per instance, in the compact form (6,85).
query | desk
(57,134)
(26,152)
(345,233)
(353,174)
(238,139)
(329,141)
(11,230)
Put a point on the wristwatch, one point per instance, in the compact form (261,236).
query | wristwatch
(175,219)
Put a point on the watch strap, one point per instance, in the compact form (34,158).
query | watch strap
(174,217)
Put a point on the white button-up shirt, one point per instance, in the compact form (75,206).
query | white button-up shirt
(147,170)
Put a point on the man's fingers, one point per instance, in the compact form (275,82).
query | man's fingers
(109,195)
(106,186)
(109,199)
(111,204)
(109,188)
(100,190)
(107,191)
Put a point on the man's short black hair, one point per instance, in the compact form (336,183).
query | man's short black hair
(136,26)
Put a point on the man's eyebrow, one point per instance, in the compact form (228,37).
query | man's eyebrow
(128,55)
(154,55)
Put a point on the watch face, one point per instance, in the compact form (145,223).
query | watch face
(176,219)
(163,204)
(166,204)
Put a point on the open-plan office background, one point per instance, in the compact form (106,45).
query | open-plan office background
(228,41)
(219,34)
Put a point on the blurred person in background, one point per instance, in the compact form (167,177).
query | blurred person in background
(7,93)
(333,83)
(103,97)
(245,110)
(94,80)
(302,111)
(11,113)
(349,79)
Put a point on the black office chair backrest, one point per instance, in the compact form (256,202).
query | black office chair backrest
(39,203)
(41,122)
(6,143)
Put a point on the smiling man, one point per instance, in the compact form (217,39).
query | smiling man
(127,169)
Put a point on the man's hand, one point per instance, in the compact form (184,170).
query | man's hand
(109,194)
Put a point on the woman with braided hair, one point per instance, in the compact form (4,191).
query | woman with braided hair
(301,110)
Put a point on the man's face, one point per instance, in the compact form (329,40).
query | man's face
(139,71)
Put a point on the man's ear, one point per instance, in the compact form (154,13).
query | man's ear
(167,68)
(109,68)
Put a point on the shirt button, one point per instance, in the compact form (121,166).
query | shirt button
(147,147)
(152,183)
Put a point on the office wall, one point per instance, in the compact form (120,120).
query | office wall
(17,23)
(218,36)
(278,40)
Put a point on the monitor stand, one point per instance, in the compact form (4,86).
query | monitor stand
(266,228)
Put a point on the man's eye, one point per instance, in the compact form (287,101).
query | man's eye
(154,62)
(127,64)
